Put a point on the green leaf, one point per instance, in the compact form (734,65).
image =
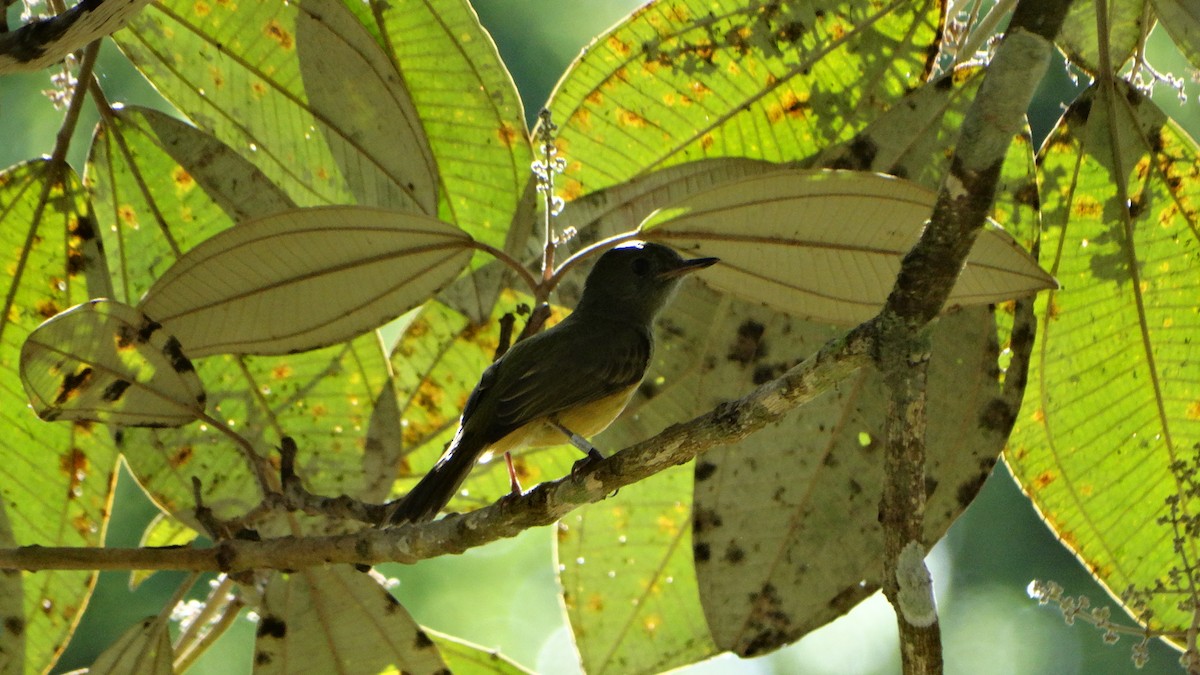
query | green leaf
(163,530)
(304,278)
(1078,37)
(468,105)
(160,187)
(56,480)
(322,399)
(1181,18)
(914,138)
(103,361)
(680,81)
(629,583)
(144,648)
(338,620)
(464,658)
(243,82)
(1106,441)
(828,245)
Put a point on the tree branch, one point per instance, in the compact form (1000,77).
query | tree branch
(926,277)
(45,42)
(543,505)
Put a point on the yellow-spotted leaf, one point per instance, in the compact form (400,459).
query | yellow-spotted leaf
(145,648)
(354,139)
(321,398)
(1106,442)
(691,79)
(828,245)
(468,105)
(305,278)
(338,620)
(160,186)
(103,361)
(49,473)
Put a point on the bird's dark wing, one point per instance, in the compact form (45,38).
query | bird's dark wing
(547,387)
(526,385)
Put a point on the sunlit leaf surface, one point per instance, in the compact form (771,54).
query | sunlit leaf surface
(1106,441)
(269,79)
(161,186)
(55,479)
(686,80)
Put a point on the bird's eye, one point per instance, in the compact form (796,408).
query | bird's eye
(641,266)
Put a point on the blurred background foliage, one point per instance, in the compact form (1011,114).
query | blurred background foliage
(503,594)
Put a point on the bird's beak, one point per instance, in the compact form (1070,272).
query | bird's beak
(687,266)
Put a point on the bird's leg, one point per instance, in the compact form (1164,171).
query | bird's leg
(514,483)
(593,455)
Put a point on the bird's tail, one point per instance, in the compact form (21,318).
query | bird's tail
(437,488)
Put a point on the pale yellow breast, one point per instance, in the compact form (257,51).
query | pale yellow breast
(586,420)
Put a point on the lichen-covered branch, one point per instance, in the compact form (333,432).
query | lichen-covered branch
(926,277)
(456,533)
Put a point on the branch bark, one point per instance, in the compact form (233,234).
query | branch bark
(45,42)
(543,505)
(926,277)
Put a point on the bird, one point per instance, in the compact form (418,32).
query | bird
(568,382)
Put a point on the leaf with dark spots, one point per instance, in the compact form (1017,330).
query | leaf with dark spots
(747,345)
(704,470)
(174,351)
(71,383)
(702,553)
(272,627)
(112,393)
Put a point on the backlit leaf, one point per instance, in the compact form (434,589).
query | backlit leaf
(1106,441)
(243,82)
(828,245)
(160,187)
(1181,18)
(103,361)
(338,620)
(144,648)
(56,480)
(304,278)
(692,79)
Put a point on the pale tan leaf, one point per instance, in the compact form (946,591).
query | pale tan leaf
(304,278)
(108,362)
(144,649)
(238,187)
(827,245)
(338,620)
(371,124)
